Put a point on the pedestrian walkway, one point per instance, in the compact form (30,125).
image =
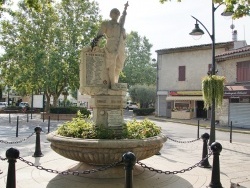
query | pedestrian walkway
(234,165)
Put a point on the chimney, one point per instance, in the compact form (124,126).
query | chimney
(234,35)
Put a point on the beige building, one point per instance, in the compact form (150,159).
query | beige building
(179,74)
(235,66)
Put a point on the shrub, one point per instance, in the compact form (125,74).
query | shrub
(141,130)
(84,128)
(143,111)
(19,108)
(70,110)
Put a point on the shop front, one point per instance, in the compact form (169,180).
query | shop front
(185,104)
(239,105)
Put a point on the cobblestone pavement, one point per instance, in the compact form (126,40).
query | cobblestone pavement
(234,162)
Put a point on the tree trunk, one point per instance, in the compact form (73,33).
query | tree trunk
(47,106)
(55,100)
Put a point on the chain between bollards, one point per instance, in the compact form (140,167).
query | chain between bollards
(129,160)
(205,162)
(38,152)
(215,179)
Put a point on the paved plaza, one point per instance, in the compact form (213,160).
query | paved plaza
(234,162)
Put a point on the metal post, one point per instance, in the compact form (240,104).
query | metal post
(32,101)
(57,115)
(205,163)
(38,152)
(198,129)
(43,116)
(11,154)
(27,117)
(9,118)
(215,179)
(231,131)
(129,160)
(49,124)
(17,122)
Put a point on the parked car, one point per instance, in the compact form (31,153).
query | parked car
(24,104)
(3,105)
(131,106)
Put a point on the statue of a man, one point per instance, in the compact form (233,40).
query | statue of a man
(115,46)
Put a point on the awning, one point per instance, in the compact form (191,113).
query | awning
(236,90)
(184,98)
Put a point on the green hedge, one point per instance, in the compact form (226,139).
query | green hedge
(70,110)
(143,111)
(13,108)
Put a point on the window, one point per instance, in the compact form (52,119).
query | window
(243,71)
(182,73)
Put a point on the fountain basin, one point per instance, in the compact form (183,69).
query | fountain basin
(104,151)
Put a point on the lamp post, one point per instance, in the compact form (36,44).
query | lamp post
(198,32)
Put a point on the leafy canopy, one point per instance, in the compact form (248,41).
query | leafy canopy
(240,8)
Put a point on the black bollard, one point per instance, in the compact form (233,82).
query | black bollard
(17,122)
(57,115)
(231,131)
(129,160)
(49,124)
(11,154)
(38,152)
(198,129)
(9,119)
(215,179)
(205,163)
(43,116)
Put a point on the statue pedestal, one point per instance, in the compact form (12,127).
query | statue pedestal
(108,109)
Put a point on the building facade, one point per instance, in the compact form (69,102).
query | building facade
(179,75)
(235,66)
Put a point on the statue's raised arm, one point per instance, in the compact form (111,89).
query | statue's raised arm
(123,17)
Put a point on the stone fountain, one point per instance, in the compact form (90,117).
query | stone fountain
(99,73)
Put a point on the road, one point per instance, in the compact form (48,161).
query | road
(184,131)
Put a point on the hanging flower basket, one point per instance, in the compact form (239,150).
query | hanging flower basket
(213,87)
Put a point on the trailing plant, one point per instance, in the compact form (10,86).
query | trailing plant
(81,127)
(213,88)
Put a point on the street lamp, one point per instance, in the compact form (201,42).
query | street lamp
(198,32)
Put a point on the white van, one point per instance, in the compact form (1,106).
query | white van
(131,105)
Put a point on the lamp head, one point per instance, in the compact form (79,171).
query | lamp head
(197,30)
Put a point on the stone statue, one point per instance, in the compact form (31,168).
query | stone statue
(115,46)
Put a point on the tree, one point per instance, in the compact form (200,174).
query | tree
(42,49)
(239,7)
(138,69)
(143,94)
(37,5)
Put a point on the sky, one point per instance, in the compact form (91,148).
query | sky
(168,25)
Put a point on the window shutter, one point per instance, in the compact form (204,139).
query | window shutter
(182,73)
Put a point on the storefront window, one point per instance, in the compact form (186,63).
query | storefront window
(179,106)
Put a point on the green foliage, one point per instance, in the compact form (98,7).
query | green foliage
(138,69)
(141,130)
(77,128)
(143,111)
(145,95)
(239,8)
(70,110)
(41,50)
(213,88)
(84,128)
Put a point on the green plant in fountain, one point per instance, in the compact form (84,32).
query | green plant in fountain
(82,127)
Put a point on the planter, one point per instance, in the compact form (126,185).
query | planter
(102,151)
